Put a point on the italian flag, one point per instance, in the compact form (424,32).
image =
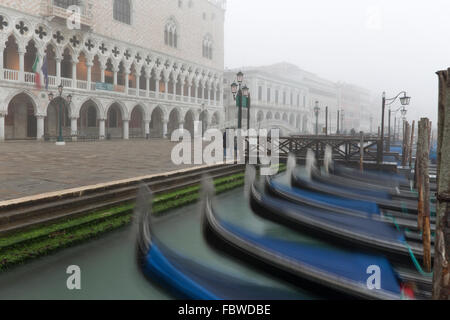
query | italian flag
(37,73)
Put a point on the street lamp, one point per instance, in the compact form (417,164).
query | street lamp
(246,94)
(316,112)
(405,101)
(239,93)
(68,100)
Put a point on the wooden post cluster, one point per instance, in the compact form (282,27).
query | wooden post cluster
(441,280)
(423,186)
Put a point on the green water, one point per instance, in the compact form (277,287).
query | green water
(109,269)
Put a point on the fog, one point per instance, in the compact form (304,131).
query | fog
(380,45)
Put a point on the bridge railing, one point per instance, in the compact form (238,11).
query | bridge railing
(343,148)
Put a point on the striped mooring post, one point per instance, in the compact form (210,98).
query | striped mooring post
(441,277)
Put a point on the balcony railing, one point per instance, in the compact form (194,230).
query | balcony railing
(67,83)
(29,78)
(12,75)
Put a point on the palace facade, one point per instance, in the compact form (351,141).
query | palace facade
(135,68)
(284,96)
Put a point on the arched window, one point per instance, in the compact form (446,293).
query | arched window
(122,11)
(171,34)
(207,47)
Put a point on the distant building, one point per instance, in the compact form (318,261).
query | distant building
(134,67)
(285,96)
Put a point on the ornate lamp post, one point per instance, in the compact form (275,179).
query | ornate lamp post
(238,93)
(405,101)
(60,141)
(246,94)
(316,113)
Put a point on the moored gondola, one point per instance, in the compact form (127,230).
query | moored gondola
(342,181)
(337,270)
(281,187)
(189,279)
(382,199)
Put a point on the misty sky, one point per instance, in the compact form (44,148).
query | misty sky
(382,45)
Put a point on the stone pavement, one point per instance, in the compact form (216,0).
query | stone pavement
(30,168)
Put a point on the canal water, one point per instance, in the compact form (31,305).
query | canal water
(109,269)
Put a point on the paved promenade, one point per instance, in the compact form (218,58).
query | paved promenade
(30,168)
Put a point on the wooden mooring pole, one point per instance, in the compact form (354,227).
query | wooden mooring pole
(361,152)
(411,143)
(406,143)
(441,276)
(424,159)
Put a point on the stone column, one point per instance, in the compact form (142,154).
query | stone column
(58,70)
(147,127)
(181,126)
(138,83)
(101,124)
(74,73)
(2,127)
(115,71)
(127,84)
(174,88)
(102,73)
(73,127)
(126,129)
(40,127)
(165,122)
(2,67)
(147,86)
(157,80)
(89,75)
(196,92)
(22,64)
(189,91)
(221,95)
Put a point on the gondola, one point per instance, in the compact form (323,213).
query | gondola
(342,181)
(382,178)
(352,229)
(336,270)
(381,198)
(283,189)
(188,279)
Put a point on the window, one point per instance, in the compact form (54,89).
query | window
(268,95)
(204,15)
(284,98)
(292,99)
(122,11)
(180,3)
(67,3)
(171,34)
(260,93)
(298,100)
(276,96)
(207,47)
